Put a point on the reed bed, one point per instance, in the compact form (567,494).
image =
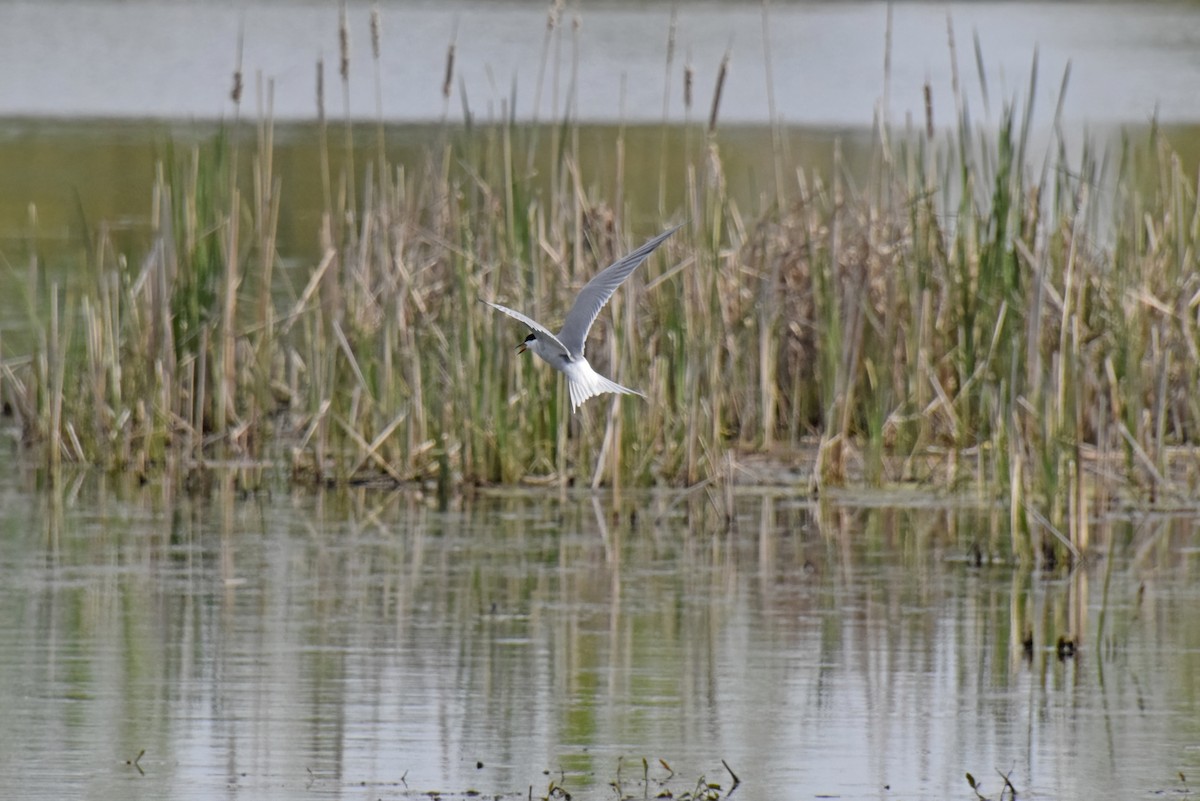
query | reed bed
(973,313)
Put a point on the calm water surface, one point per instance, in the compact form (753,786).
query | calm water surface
(176,58)
(366,646)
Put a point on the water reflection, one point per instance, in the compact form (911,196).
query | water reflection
(367,645)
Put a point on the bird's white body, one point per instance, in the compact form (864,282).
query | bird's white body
(583,381)
(564,352)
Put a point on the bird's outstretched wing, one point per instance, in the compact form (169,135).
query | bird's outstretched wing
(598,291)
(543,333)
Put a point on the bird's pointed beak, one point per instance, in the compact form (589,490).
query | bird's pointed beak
(521,348)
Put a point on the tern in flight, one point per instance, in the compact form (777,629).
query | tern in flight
(564,351)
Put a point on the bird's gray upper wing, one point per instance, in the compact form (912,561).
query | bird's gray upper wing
(536,326)
(597,292)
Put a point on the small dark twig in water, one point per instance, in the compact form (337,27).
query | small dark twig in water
(736,780)
(1007,784)
(134,762)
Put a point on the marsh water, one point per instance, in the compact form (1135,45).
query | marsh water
(816,63)
(369,645)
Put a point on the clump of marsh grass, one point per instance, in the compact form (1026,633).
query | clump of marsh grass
(965,315)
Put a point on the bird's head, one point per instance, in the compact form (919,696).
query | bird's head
(530,342)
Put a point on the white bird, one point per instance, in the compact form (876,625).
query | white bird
(564,352)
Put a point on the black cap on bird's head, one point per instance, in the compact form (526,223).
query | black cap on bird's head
(525,344)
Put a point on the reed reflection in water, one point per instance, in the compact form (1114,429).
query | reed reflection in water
(367,644)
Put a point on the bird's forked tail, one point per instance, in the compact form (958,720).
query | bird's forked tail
(587,383)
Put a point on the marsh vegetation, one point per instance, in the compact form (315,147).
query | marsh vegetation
(969,309)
